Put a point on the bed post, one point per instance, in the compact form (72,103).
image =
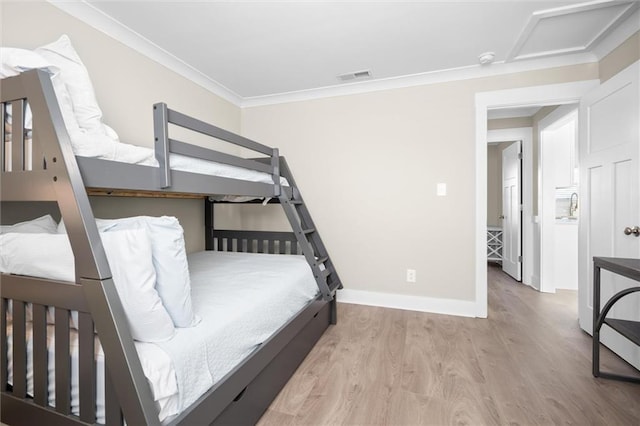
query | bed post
(161,143)
(209,207)
(333,319)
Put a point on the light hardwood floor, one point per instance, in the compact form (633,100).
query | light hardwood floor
(528,364)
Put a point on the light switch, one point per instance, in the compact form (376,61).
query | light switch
(442,189)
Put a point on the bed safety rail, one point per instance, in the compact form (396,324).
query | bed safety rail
(33,320)
(164,146)
(253,242)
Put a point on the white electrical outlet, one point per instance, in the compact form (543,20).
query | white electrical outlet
(411,275)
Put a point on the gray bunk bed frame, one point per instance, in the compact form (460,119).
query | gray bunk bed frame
(60,183)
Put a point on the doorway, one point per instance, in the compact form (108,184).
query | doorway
(558,94)
(504,206)
(558,199)
(527,235)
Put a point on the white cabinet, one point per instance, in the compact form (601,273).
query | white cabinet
(562,153)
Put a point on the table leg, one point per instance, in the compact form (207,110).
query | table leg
(596,315)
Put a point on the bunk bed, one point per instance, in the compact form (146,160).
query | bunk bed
(87,318)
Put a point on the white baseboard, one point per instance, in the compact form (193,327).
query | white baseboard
(535,282)
(461,308)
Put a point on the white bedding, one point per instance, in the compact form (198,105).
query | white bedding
(254,295)
(242,299)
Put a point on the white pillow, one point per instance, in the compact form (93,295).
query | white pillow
(14,61)
(169,259)
(131,263)
(129,256)
(76,78)
(42,225)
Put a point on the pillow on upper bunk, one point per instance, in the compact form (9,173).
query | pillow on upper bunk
(76,78)
(42,225)
(129,255)
(173,282)
(14,61)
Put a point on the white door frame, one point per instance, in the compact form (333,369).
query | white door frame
(555,119)
(554,94)
(525,135)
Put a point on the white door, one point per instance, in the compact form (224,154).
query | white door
(511,211)
(609,145)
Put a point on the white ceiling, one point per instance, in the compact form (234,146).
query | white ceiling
(264,48)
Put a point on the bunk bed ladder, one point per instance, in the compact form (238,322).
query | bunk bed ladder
(308,237)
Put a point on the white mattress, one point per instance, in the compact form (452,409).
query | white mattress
(242,299)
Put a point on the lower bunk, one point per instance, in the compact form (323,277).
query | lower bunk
(259,315)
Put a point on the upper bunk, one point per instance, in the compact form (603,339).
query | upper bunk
(173,168)
(39,163)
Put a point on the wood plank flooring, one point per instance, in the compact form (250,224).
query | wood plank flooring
(527,364)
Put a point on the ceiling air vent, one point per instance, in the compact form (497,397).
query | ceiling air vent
(357,75)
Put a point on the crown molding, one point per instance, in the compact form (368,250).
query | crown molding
(434,77)
(618,36)
(97,19)
(100,21)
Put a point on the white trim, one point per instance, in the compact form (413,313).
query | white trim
(97,19)
(433,77)
(536,282)
(524,134)
(539,16)
(618,36)
(463,308)
(94,17)
(555,94)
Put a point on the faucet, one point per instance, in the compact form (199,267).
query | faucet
(573,205)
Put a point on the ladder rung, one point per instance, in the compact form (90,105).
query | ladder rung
(321,273)
(322,260)
(308,231)
(335,285)
(296,202)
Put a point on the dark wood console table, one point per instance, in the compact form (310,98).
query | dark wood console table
(629,268)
